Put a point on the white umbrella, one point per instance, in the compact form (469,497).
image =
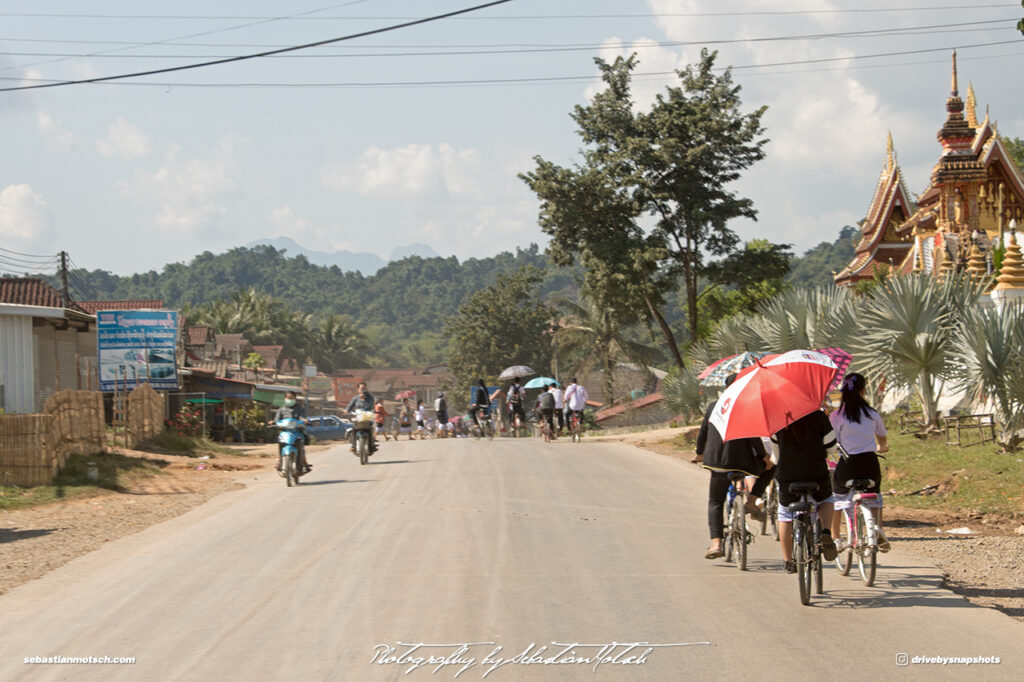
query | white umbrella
(516,371)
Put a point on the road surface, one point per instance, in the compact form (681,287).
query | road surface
(484,553)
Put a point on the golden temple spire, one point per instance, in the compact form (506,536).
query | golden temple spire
(976,269)
(954,90)
(972,104)
(1011,275)
(890,154)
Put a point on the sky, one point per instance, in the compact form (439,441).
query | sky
(418,134)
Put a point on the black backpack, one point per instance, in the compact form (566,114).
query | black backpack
(547,401)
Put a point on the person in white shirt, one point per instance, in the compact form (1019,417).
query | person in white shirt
(858,426)
(421,419)
(559,405)
(575,398)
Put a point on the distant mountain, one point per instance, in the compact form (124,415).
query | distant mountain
(347,261)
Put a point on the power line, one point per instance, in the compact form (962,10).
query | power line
(874,33)
(184,67)
(204,33)
(38,15)
(26,255)
(550,79)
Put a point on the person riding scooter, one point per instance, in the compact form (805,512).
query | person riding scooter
(363,401)
(292,410)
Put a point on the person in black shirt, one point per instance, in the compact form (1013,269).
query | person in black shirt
(803,451)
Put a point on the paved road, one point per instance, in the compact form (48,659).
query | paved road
(508,544)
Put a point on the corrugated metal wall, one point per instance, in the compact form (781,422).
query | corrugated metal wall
(45,363)
(16,363)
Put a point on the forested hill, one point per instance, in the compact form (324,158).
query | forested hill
(411,295)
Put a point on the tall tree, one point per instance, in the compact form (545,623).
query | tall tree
(1015,146)
(504,324)
(672,163)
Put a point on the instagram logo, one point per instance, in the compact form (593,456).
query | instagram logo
(902,659)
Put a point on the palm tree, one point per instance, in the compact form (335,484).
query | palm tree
(338,341)
(598,336)
(988,363)
(906,326)
(805,318)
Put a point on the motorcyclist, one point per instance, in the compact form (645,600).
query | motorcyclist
(363,400)
(292,410)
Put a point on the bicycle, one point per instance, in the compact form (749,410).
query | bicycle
(545,430)
(806,540)
(737,535)
(575,427)
(859,533)
(771,509)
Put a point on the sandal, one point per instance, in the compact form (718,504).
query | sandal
(714,554)
(883,542)
(697,459)
(755,512)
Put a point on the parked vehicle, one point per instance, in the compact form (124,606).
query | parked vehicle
(291,439)
(327,427)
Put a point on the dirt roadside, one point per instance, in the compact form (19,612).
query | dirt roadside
(36,540)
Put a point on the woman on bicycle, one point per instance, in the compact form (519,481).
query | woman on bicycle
(803,456)
(858,427)
(744,455)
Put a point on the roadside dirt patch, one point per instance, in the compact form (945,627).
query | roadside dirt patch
(36,540)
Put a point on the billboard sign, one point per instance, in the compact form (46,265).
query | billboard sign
(137,347)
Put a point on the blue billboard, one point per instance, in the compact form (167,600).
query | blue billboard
(137,347)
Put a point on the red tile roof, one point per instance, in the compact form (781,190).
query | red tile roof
(198,336)
(631,405)
(143,304)
(31,291)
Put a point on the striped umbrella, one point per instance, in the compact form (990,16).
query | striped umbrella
(842,360)
(723,368)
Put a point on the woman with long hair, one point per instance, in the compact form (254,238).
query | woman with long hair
(861,432)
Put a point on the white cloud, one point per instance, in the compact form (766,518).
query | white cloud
(124,140)
(412,171)
(188,193)
(57,136)
(26,223)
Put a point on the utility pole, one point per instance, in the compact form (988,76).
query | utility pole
(65,297)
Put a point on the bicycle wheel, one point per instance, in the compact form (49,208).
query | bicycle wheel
(818,560)
(771,508)
(727,546)
(739,531)
(844,559)
(867,546)
(802,557)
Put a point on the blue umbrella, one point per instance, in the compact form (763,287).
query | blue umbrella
(539,382)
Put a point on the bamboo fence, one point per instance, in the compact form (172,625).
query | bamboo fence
(34,447)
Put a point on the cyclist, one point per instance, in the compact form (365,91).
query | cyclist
(804,446)
(858,426)
(743,455)
(405,419)
(441,410)
(481,402)
(575,399)
(516,396)
(546,409)
(363,400)
(292,410)
(559,406)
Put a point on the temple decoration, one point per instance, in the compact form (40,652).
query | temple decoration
(974,191)
(1011,276)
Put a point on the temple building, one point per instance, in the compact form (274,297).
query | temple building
(975,191)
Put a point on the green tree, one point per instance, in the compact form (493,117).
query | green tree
(337,343)
(504,324)
(818,265)
(1015,146)
(672,163)
(254,361)
(594,333)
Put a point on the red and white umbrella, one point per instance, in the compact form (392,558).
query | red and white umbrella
(772,394)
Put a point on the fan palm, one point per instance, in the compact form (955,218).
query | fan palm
(907,325)
(988,363)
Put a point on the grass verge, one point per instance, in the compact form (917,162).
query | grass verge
(171,443)
(113,472)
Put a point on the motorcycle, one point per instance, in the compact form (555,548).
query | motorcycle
(292,441)
(362,435)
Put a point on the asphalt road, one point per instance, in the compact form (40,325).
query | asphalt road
(480,552)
